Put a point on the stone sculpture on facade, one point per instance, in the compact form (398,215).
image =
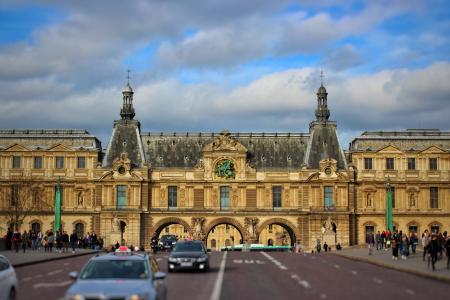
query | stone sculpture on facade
(251,229)
(197,225)
(328,234)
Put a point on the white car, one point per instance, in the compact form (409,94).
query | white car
(8,280)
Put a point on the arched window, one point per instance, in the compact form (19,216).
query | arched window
(213,244)
(79,229)
(36,227)
(269,242)
(369,229)
(434,227)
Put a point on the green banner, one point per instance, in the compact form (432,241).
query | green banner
(57,223)
(389,221)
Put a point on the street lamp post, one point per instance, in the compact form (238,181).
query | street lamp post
(389,217)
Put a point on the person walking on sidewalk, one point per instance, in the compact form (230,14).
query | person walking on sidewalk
(25,238)
(433,248)
(425,243)
(379,241)
(405,247)
(447,248)
(51,240)
(394,246)
(16,239)
(413,240)
(73,240)
(65,242)
(370,240)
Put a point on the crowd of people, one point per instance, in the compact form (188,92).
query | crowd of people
(59,240)
(435,245)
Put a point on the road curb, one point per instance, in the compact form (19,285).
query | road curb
(34,262)
(397,268)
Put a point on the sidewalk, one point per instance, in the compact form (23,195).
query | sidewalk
(38,256)
(413,264)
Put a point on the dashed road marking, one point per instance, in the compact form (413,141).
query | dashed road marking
(51,284)
(260,262)
(238,261)
(337,266)
(249,261)
(54,272)
(410,292)
(276,262)
(377,280)
(300,281)
(323,296)
(354,272)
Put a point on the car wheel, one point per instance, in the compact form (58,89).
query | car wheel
(12,294)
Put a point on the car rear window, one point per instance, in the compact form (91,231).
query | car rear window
(115,269)
(188,247)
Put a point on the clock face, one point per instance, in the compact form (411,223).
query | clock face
(328,171)
(121,170)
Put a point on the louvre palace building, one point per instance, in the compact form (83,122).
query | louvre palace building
(225,188)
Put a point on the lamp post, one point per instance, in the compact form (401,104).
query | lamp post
(389,217)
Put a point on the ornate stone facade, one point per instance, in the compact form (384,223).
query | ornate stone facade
(252,183)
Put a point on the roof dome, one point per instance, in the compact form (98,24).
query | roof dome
(321,90)
(127,88)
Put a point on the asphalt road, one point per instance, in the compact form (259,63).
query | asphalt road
(256,275)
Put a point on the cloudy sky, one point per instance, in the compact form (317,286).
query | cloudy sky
(250,65)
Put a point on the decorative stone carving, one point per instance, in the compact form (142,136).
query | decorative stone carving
(121,166)
(115,224)
(328,234)
(251,229)
(198,228)
(225,143)
(80,199)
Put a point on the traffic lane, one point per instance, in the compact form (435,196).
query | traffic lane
(340,278)
(251,275)
(48,280)
(190,285)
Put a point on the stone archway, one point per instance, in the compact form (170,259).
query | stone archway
(158,227)
(225,220)
(289,226)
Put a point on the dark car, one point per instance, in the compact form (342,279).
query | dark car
(119,275)
(188,255)
(167,241)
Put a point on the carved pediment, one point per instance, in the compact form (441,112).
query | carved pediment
(390,149)
(59,147)
(225,143)
(433,150)
(328,168)
(122,166)
(16,148)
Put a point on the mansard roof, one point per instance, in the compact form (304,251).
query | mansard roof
(42,139)
(406,140)
(264,150)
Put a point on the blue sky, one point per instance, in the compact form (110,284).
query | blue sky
(208,65)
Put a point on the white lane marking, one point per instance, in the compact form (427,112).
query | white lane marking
(249,261)
(301,282)
(54,272)
(52,284)
(159,259)
(354,272)
(323,296)
(411,292)
(276,262)
(377,280)
(27,278)
(38,276)
(218,284)
(237,261)
(260,262)
(337,266)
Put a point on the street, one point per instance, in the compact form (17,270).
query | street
(255,275)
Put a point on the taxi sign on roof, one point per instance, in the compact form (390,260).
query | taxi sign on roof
(123,249)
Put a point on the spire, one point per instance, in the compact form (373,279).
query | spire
(127,111)
(322,111)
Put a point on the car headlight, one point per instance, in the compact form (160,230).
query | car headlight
(201,259)
(74,297)
(138,297)
(173,259)
(161,243)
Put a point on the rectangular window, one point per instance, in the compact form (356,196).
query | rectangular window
(393,196)
(38,162)
(434,197)
(432,163)
(224,197)
(276,196)
(81,162)
(121,196)
(172,196)
(16,162)
(14,194)
(328,197)
(59,162)
(367,163)
(411,163)
(389,163)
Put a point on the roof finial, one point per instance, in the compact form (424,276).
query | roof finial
(128,76)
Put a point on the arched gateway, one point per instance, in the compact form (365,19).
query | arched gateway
(287,225)
(160,225)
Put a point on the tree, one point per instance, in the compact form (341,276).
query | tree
(25,199)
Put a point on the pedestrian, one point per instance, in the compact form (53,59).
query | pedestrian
(65,241)
(383,239)
(51,240)
(16,240)
(33,238)
(413,240)
(433,248)
(73,240)
(370,240)
(378,241)
(25,238)
(325,247)
(405,247)
(318,247)
(9,241)
(58,240)
(447,248)
(425,243)
(394,246)
(45,244)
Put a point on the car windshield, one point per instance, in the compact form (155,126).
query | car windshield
(115,269)
(189,247)
(168,238)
